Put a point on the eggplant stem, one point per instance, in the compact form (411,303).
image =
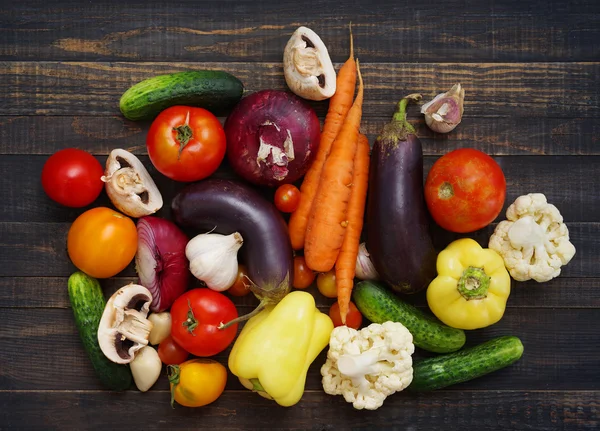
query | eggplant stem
(400,114)
(245,317)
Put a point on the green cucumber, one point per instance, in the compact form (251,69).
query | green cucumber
(379,305)
(441,371)
(214,90)
(88,305)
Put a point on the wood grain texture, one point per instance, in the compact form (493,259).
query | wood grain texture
(559,90)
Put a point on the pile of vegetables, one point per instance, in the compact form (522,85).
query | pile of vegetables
(359,213)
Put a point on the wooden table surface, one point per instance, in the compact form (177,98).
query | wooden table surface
(532,79)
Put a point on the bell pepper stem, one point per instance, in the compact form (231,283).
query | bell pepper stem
(245,317)
(474,283)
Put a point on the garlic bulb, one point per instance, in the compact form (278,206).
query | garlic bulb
(213,259)
(365,270)
(445,111)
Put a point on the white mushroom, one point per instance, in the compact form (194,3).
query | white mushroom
(124,327)
(129,185)
(307,67)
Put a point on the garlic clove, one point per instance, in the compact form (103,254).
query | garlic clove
(365,270)
(161,327)
(146,368)
(445,111)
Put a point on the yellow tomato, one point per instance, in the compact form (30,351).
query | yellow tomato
(197,382)
(102,242)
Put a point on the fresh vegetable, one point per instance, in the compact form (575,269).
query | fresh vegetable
(307,67)
(240,286)
(161,327)
(446,370)
(327,285)
(272,137)
(186,144)
(227,207)
(213,259)
(124,328)
(444,112)
(146,368)
(534,241)
(273,352)
(353,318)
(102,242)
(71,177)
(339,105)
(160,261)
(197,382)
(196,315)
(365,270)
(129,186)
(369,365)
(328,218)
(214,90)
(379,305)
(171,353)
(287,198)
(345,265)
(87,302)
(397,227)
(465,190)
(303,275)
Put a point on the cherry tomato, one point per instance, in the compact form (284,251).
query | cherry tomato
(171,353)
(197,382)
(465,190)
(102,242)
(303,275)
(287,198)
(71,177)
(240,285)
(326,284)
(196,316)
(186,144)
(353,318)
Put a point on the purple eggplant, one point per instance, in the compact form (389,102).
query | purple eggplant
(229,206)
(397,226)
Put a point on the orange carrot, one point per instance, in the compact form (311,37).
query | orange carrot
(328,217)
(339,105)
(345,265)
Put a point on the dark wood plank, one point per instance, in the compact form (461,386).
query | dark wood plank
(257,31)
(495,136)
(561,90)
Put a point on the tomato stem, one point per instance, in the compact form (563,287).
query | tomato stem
(173,375)
(184,134)
(190,323)
(446,191)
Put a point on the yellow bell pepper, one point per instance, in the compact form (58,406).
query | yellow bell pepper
(274,350)
(471,288)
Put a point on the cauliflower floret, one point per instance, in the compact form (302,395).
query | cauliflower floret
(534,241)
(367,366)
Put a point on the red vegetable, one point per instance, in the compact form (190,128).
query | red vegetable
(272,137)
(160,261)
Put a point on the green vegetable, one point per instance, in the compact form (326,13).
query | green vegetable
(441,371)
(214,90)
(88,305)
(379,305)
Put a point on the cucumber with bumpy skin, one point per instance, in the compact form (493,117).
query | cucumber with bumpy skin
(379,305)
(441,371)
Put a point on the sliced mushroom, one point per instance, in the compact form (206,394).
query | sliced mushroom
(129,185)
(124,327)
(307,67)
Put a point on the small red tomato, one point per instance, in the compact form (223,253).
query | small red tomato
(303,275)
(465,190)
(240,285)
(171,353)
(71,177)
(353,318)
(287,198)
(326,284)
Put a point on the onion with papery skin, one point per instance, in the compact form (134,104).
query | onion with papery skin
(365,270)
(160,261)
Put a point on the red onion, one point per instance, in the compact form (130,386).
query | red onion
(272,137)
(160,261)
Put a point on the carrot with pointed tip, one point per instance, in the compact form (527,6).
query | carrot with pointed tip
(339,105)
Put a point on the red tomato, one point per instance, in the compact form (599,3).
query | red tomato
(196,316)
(465,190)
(240,285)
(353,318)
(303,275)
(287,198)
(71,177)
(171,353)
(186,144)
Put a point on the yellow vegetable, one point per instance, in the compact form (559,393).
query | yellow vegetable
(197,382)
(272,354)
(471,288)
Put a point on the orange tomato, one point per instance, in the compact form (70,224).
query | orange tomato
(197,382)
(102,242)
